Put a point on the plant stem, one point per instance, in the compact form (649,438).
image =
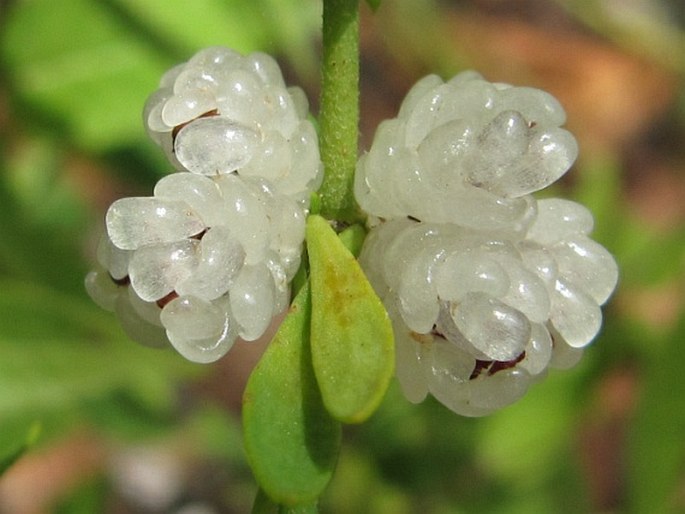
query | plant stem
(339,114)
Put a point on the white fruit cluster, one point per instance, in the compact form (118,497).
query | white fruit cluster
(486,286)
(210,256)
(243,118)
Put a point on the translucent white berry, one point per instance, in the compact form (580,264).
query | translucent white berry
(215,145)
(113,259)
(588,265)
(199,330)
(559,219)
(188,105)
(462,273)
(495,329)
(102,289)
(538,350)
(135,222)
(575,315)
(155,270)
(220,258)
(252,301)
(199,192)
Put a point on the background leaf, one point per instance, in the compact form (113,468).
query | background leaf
(95,63)
(657,445)
(65,355)
(6,460)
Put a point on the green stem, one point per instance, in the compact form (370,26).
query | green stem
(339,114)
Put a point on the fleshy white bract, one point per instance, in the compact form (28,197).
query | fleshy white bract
(487,287)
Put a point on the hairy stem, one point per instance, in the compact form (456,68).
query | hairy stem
(339,115)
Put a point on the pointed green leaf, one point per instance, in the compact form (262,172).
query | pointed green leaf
(352,341)
(291,441)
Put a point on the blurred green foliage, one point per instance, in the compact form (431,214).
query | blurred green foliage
(94,62)
(74,75)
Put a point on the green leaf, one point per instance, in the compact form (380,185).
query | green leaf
(353,238)
(42,377)
(656,443)
(183,30)
(62,354)
(352,340)
(37,179)
(291,441)
(87,67)
(43,313)
(6,461)
(25,243)
(89,496)
(124,416)
(81,69)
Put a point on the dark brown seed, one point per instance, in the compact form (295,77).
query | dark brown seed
(163,301)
